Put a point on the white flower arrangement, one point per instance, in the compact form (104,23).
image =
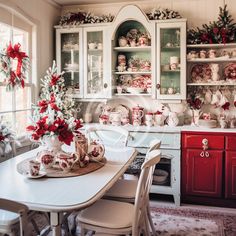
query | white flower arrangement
(7,136)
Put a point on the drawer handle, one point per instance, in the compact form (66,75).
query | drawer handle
(205,154)
(205,144)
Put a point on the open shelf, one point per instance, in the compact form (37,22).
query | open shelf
(227,45)
(134,73)
(220,59)
(212,84)
(132,49)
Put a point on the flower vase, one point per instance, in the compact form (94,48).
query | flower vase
(52,143)
(195,117)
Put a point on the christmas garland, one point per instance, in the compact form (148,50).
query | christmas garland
(221,31)
(13,76)
(77,18)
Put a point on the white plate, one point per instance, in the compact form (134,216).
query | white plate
(40,175)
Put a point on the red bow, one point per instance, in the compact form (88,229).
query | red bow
(14,52)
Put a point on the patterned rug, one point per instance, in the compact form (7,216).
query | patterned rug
(181,221)
(186,221)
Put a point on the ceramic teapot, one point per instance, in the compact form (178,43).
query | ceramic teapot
(66,161)
(172,119)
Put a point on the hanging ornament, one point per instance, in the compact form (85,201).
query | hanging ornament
(14,64)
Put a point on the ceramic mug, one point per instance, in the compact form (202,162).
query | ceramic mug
(34,167)
(92,45)
(203,54)
(46,158)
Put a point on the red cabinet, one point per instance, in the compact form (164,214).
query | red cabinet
(230,167)
(230,175)
(209,179)
(203,173)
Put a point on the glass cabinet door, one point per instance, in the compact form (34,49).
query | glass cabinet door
(94,82)
(69,59)
(171,82)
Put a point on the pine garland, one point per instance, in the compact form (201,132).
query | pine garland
(221,31)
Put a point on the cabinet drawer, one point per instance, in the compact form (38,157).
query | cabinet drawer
(230,143)
(143,139)
(195,141)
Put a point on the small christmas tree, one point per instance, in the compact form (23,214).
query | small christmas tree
(221,31)
(53,114)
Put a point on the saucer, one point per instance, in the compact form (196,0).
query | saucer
(40,175)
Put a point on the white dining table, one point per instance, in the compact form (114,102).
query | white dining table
(59,195)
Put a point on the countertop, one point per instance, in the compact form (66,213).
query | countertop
(169,129)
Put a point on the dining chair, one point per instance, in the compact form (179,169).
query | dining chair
(118,218)
(13,218)
(111,136)
(124,190)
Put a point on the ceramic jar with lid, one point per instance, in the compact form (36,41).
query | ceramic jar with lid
(81,145)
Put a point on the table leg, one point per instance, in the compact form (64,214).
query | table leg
(55,221)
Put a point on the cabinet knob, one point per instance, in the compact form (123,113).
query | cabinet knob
(105,85)
(205,144)
(158,86)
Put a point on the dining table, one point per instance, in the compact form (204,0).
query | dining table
(59,195)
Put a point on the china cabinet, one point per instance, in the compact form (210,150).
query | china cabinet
(208,168)
(132,54)
(69,58)
(171,60)
(82,55)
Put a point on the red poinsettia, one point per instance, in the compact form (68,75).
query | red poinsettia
(43,104)
(54,79)
(194,102)
(1,137)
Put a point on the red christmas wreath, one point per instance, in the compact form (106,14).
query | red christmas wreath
(13,65)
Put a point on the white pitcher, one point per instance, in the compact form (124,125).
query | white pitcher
(173,119)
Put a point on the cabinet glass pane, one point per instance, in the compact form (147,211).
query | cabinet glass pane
(170,61)
(95,62)
(70,59)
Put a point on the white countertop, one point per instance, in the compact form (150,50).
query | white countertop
(169,129)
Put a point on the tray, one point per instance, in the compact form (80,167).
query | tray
(56,172)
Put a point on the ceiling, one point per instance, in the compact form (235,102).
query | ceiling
(85,2)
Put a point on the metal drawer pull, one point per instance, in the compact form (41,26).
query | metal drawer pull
(202,154)
(205,144)
(207,154)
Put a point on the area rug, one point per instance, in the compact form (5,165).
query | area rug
(186,221)
(181,221)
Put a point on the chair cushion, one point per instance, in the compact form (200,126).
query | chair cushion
(108,214)
(8,218)
(123,189)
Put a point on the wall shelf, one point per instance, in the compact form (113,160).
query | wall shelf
(132,49)
(134,73)
(227,45)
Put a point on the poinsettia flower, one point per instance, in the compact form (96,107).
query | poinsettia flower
(78,124)
(43,104)
(53,104)
(66,136)
(215,30)
(54,79)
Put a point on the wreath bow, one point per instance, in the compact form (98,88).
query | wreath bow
(14,77)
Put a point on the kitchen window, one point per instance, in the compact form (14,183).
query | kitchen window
(15,106)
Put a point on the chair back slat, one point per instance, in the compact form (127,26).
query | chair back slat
(18,208)
(143,188)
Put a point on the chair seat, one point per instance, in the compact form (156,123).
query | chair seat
(123,189)
(8,218)
(102,214)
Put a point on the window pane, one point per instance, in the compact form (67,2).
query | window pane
(4,35)
(5,100)
(8,119)
(23,98)
(22,121)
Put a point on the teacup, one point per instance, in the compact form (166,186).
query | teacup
(202,54)
(92,45)
(34,167)
(67,161)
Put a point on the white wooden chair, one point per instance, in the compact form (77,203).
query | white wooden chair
(124,190)
(111,136)
(118,218)
(13,218)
